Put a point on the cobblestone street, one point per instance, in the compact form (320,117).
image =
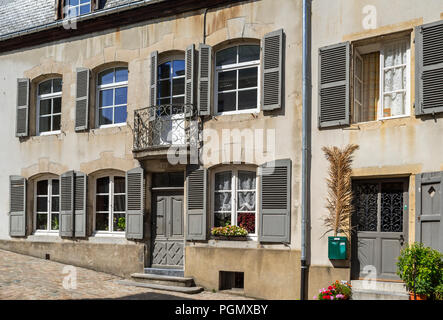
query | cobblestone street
(28,278)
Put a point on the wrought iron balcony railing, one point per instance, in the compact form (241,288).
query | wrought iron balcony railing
(164,126)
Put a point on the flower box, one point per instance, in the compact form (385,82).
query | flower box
(230,238)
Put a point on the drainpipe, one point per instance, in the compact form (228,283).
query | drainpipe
(306,152)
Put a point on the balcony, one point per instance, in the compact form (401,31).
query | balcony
(158,128)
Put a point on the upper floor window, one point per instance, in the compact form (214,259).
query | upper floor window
(110,204)
(236,79)
(112,96)
(381,81)
(47,205)
(235,199)
(171,82)
(49,105)
(78,7)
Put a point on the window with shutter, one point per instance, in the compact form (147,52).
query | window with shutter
(47,205)
(196,186)
(49,106)
(204,79)
(22,107)
(429,68)
(82,99)
(153,82)
(66,218)
(189,73)
(110,204)
(272,80)
(80,205)
(135,203)
(17,206)
(334,76)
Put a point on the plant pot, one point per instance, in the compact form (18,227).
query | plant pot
(231,238)
(418,297)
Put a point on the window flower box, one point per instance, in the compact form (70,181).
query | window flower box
(231,238)
(230,233)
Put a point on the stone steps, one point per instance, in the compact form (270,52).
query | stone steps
(163,280)
(165,272)
(187,290)
(379,290)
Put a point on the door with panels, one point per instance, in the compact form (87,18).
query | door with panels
(380,224)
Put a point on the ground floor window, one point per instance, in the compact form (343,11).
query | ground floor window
(110,204)
(235,199)
(47,205)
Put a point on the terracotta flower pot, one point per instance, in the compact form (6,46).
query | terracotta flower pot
(417,297)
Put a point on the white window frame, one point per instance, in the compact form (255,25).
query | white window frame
(114,85)
(74,7)
(237,66)
(407,90)
(111,212)
(171,59)
(48,96)
(234,179)
(380,47)
(49,213)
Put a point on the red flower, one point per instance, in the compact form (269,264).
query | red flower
(329,288)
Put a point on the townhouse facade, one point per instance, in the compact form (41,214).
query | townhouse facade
(122,145)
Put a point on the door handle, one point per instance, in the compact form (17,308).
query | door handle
(402,240)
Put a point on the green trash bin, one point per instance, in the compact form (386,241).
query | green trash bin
(337,248)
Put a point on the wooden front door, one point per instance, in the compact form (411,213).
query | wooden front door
(380,224)
(168,230)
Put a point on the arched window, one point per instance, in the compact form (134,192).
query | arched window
(110,204)
(49,106)
(171,82)
(237,79)
(47,204)
(112,97)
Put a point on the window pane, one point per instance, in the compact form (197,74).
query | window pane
(246,220)
(55,187)
(249,53)
(121,95)
(246,201)
(42,187)
(392,207)
(85,9)
(178,86)
(226,56)
(247,78)
(106,77)
(57,105)
(120,115)
(395,54)
(247,99)
(227,80)
(102,222)
(119,203)
(119,222)
(226,101)
(119,184)
(164,101)
(394,105)
(222,201)
(42,204)
(246,180)
(54,222)
(45,87)
(179,68)
(85,1)
(73,2)
(164,70)
(102,203)
(56,123)
(45,107)
(56,85)
(103,185)
(42,222)
(106,98)
(223,180)
(395,79)
(121,74)
(106,116)
(55,204)
(45,124)
(179,100)
(73,12)
(222,219)
(164,88)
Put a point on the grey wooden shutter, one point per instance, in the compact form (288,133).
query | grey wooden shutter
(334,85)
(22,108)
(272,70)
(204,79)
(80,192)
(189,74)
(429,209)
(153,83)
(134,203)
(429,68)
(17,206)
(82,99)
(196,187)
(275,201)
(66,204)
